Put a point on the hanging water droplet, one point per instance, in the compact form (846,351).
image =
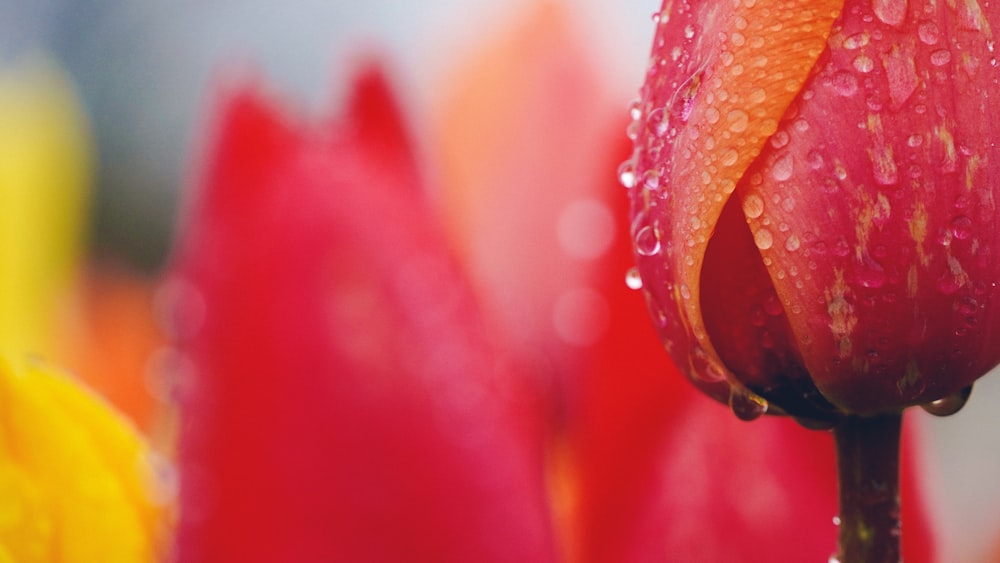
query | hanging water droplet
(626,174)
(647,243)
(635,109)
(746,404)
(632,278)
(949,405)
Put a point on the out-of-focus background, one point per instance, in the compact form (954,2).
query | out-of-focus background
(144,71)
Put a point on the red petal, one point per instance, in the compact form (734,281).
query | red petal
(873,205)
(346,404)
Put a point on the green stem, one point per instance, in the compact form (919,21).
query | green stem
(868,470)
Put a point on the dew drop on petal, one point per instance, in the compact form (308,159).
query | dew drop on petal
(782,168)
(763,239)
(780,139)
(864,63)
(738,120)
(647,243)
(792,243)
(940,57)
(753,206)
(844,83)
(729,157)
(626,174)
(928,32)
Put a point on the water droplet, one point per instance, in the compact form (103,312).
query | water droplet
(656,122)
(782,168)
(746,404)
(779,139)
(635,109)
(738,120)
(647,243)
(844,83)
(928,32)
(753,206)
(792,243)
(949,405)
(626,173)
(915,140)
(815,160)
(651,179)
(891,12)
(729,157)
(864,63)
(632,278)
(763,239)
(940,57)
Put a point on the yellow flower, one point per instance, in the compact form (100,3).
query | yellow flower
(44,175)
(76,478)
(75,483)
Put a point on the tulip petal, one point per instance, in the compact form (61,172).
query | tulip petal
(73,474)
(721,77)
(523,135)
(876,197)
(347,403)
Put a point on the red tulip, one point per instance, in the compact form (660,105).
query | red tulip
(813,199)
(346,403)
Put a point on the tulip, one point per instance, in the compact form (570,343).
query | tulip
(813,208)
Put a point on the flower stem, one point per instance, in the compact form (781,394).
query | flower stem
(868,470)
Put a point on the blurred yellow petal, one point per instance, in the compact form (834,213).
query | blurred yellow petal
(45,160)
(76,479)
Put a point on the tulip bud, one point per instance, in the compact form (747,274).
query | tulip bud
(813,194)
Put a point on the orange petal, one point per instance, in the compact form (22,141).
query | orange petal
(721,77)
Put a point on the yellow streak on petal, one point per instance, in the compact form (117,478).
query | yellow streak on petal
(918,230)
(841,311)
